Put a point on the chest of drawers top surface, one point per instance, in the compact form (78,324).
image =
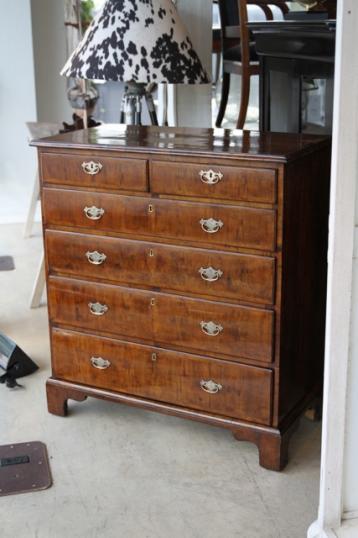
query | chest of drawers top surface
(280,147)
(186,272)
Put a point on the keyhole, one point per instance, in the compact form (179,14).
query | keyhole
(154,357)
(152,302)
(151,253)
(150,208)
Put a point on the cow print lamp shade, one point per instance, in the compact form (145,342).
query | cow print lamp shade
(140,42)
(143,41)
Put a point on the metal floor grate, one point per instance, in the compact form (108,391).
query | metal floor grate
(24,467)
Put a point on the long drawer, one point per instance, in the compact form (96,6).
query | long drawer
(213,224)
(95,170)
(211,385)
(214,181)
(195,324)
(182,269)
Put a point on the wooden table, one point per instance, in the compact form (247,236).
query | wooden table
(289,51)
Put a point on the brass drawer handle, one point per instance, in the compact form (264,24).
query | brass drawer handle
(211,226)
(209,274)
(210,386)
(210,328)
(95,257)
(209,177)
(98,309)
(91,168)
(93,213)
(99,363)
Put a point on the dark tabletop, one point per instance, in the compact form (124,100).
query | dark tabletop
(305,39)
(325,25)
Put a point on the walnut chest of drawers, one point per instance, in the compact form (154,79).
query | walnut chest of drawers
(186,274)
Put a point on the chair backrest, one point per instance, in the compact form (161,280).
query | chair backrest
(230,10)
(233,15)
(229,14)
(234,18)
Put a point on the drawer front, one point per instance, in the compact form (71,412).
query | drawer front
(95,171)
(182,269)
(195,324)
(187,380)
(213,224)
(214,181)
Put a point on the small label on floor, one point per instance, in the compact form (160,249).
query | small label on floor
(4,462)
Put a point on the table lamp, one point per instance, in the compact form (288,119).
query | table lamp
(141,43)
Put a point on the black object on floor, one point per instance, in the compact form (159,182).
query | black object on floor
(7,263)
(24,467)
(14,363)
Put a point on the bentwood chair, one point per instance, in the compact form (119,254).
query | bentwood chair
(238,50)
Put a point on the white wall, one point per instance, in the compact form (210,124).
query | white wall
(33,49)
(17,94)
(49,41)
(339,467)
(350,492)
(350,479)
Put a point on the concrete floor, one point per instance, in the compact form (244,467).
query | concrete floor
(123,472)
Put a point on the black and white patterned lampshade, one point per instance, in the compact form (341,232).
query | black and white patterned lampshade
(137,40)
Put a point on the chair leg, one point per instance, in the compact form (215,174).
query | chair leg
(217,67)
(33,204)
(224,99)
(39,285)
(245,94)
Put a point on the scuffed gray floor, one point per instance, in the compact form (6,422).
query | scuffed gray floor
(123,472)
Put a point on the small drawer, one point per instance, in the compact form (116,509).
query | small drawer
(214,181)
(187,323)
(171,268)
(212,224)
(192,381)
(95,170)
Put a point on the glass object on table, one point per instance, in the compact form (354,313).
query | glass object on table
(317,105)
(309,4)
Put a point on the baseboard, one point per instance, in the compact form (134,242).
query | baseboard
(350,515)
(316,531)
(348,529)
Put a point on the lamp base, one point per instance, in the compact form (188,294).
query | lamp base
(131,105)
